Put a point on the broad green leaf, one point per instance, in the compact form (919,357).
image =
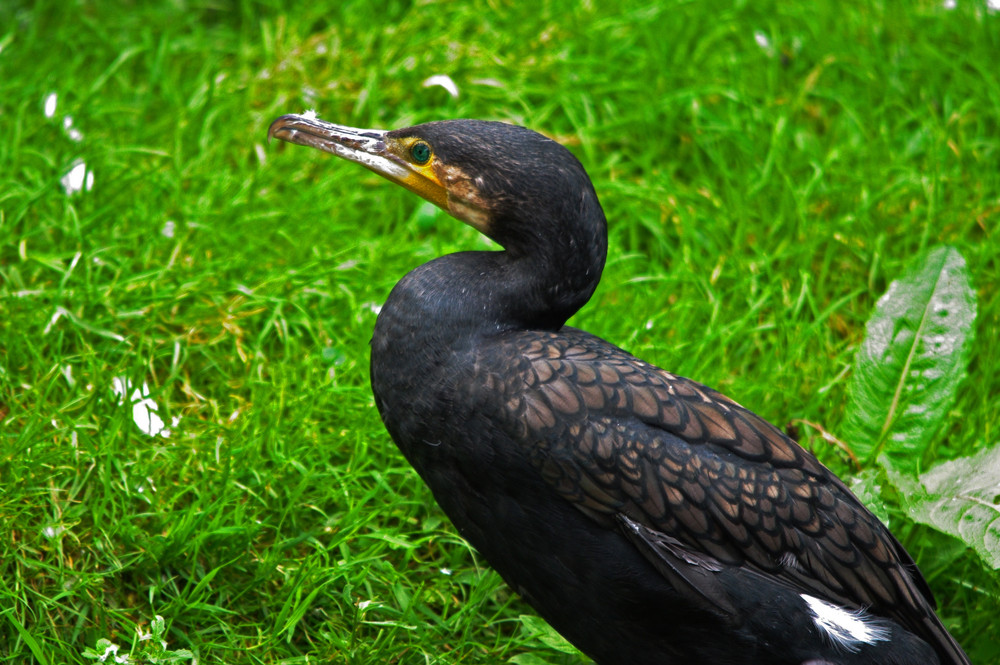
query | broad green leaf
(912,360)
(867,486)
(961,497)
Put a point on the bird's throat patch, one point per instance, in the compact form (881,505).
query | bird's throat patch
(465,200)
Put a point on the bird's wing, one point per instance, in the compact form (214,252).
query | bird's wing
(696,480)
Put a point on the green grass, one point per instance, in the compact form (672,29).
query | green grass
(761,199)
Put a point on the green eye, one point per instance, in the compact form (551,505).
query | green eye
(421,152)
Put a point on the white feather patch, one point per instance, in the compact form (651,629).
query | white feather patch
(848,628)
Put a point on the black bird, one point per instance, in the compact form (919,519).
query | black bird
(648,518)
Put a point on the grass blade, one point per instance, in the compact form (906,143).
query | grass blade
(36,650)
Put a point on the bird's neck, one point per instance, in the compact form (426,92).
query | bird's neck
(483,293)
(455,301)
(471,294)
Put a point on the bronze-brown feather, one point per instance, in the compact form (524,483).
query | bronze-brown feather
(619,437)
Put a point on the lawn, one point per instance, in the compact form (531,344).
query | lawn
(767,170)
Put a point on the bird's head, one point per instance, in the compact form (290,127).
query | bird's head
(508,182)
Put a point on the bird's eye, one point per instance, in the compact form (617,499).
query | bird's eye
(421,152)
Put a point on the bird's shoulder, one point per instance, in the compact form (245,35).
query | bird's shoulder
(551,378)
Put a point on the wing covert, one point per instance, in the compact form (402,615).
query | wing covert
(622,439)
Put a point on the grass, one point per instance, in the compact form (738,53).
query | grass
(767,170)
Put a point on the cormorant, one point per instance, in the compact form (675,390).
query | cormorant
(648,518)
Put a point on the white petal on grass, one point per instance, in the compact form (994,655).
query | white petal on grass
(762,40)
(444,81)
(72,131)
(50,104)
(145,417)
(144,408)
(120,386)
(77,179)
(169,227)
(491,82)
(53,531)
(949,4)
(112,651)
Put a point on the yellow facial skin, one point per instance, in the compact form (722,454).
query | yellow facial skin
(421,179)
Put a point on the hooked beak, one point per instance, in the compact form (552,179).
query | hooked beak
(369,147)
